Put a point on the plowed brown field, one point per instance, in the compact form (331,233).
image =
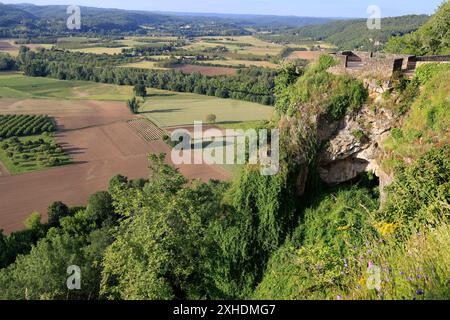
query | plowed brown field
(207,70)
(307,55)
(101,143)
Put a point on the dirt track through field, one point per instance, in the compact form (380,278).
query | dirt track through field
(101,143)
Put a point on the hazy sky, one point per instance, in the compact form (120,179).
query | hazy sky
(322,8)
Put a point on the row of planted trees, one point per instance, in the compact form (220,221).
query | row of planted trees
(35,152)
(25,125)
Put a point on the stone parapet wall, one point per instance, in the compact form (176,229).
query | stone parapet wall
(370,64)
(378,69)
(445,58)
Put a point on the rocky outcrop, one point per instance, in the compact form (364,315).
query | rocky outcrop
(354,147)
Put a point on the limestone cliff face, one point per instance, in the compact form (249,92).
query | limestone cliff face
(352,146)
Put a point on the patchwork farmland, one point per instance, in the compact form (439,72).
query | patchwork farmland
(101,137)
(98,136)
(116,149)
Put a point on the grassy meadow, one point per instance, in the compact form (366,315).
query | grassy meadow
(171,109)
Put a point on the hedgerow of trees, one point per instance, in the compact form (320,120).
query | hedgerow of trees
(7,63)
(252,84)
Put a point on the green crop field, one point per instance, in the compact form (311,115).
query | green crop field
(18,86)
(171,109)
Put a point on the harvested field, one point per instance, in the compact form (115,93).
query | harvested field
(101,143)
(206,70)
(69,114)
(143,65)
(100,50)
(246,63)
(146,129)
(307,55)
(6,46)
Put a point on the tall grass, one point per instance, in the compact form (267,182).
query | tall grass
(425,126)
(417,268)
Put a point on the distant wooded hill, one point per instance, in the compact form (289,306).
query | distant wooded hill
(351,34)
(28,19)
(433,38)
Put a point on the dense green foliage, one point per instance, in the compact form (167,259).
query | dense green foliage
(319,91)
(427,122)
(433,38)
(7,63)
(421,191)
(133,104)
(42,273)
(310,264)
(25,125)
(158,247)
(57,211)
(19,242)
(261,215)
(140,90)
(338,218)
